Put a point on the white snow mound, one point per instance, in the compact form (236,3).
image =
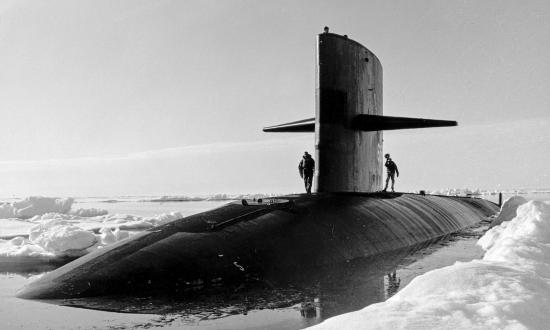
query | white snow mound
(508,210)
(57,236)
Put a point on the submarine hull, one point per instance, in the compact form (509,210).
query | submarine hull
(285,235)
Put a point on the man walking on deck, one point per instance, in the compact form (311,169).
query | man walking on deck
(391,170)
(306,169)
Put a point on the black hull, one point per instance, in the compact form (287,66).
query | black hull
(236,241)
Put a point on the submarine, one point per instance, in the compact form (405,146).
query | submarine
(345,219)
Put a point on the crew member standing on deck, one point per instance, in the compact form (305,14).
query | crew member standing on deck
(391,169)
(306,169)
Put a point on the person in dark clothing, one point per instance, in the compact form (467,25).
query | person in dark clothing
(306,169)
(391,169)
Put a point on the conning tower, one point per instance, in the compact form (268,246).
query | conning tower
(349,117)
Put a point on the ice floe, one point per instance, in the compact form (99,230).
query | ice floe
(58,236)
(35,205)
(89,212)
(47,227)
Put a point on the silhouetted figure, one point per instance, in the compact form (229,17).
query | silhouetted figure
(306,169)
(307,310)
(393,284)
(311,309)
(391,169)
(325,29)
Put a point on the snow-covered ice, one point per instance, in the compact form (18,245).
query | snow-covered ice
(509,288)
(89,212)
(35,205)
(47,227)
(58,236)
(508,210)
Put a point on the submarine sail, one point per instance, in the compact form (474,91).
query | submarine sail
(349,118)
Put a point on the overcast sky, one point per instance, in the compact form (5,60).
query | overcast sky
(169,97)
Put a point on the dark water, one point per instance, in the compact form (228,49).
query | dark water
(335,290)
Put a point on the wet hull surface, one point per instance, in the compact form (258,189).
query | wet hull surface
(261,242)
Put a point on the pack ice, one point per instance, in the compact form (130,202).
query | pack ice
(54,230)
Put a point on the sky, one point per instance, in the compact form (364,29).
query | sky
(143,97)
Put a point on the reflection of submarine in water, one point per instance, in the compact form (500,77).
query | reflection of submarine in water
(316,293)
(344,220)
